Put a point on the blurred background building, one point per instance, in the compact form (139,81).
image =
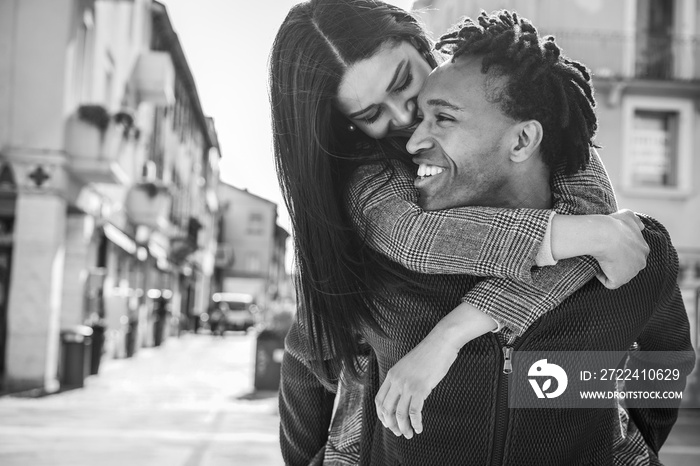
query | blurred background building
(256,244)
(645,59)
(109,179)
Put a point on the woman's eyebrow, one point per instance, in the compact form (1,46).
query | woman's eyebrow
(396,75)
(397,72)
(360,112)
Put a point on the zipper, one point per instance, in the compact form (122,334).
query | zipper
(502,412)
(501,427)
(507,365)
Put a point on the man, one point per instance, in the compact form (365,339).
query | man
(484,144)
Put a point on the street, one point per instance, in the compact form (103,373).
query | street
(186,403)
(189,402)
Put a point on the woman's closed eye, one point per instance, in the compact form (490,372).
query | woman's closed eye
(371,119)
(407,82)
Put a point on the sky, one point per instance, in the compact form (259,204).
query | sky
(227,44)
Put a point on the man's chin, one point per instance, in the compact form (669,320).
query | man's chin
(427,203)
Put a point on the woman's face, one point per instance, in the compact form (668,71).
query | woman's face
(378,94)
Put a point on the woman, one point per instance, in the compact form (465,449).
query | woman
(330,119)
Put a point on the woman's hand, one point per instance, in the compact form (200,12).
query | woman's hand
(406,386)
(614,240)
(400,399)
(624,251)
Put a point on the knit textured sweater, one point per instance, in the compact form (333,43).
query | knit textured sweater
(466,417)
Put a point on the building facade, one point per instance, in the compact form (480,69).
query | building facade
(645,59)
(253,244)
(108,170)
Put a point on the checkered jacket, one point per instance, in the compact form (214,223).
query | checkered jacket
(480,241)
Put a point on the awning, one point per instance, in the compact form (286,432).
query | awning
(119,238)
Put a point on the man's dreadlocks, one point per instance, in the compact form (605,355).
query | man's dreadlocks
(543,84)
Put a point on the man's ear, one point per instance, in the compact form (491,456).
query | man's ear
(529,136)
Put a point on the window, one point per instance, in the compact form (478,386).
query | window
(655,149)
(655,39)
(253,263)
(83,63)
(255,224)
(657,145)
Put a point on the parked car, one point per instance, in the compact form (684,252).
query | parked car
(239,310)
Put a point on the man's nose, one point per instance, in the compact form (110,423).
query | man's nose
(404,113)
(419,140)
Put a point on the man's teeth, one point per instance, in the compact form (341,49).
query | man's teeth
(429,170)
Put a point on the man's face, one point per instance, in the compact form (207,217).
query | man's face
(462,142)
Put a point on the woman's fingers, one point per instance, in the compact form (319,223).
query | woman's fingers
(379,399)
(408,383)
(415,413)
(400,412)
(402,419)
(626,252)
(388,410)
(638,221)
(628,216)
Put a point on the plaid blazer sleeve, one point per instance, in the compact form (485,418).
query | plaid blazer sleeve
(481,241)
(500,243)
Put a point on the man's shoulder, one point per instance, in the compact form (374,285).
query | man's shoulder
(662,254)
(601,318)
(661,269)
(640,294)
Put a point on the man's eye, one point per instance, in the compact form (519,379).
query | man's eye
(442,117)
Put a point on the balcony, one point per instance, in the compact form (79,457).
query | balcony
(94,142)
(154,78)
(224,256)
(183,246)
(634,56)
(148,204)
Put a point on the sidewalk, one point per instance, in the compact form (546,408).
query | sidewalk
(187,403)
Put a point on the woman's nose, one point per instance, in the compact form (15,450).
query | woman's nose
(404,114)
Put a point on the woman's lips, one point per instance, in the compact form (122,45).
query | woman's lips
(405,131)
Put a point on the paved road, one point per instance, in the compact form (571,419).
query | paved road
(187,403)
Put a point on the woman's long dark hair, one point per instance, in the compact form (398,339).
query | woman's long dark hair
(315,153)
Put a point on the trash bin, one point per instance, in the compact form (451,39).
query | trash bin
(76,354)
(131,334)
(98,343)
(268,360)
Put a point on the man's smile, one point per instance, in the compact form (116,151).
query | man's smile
(425,169)
(426,173)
